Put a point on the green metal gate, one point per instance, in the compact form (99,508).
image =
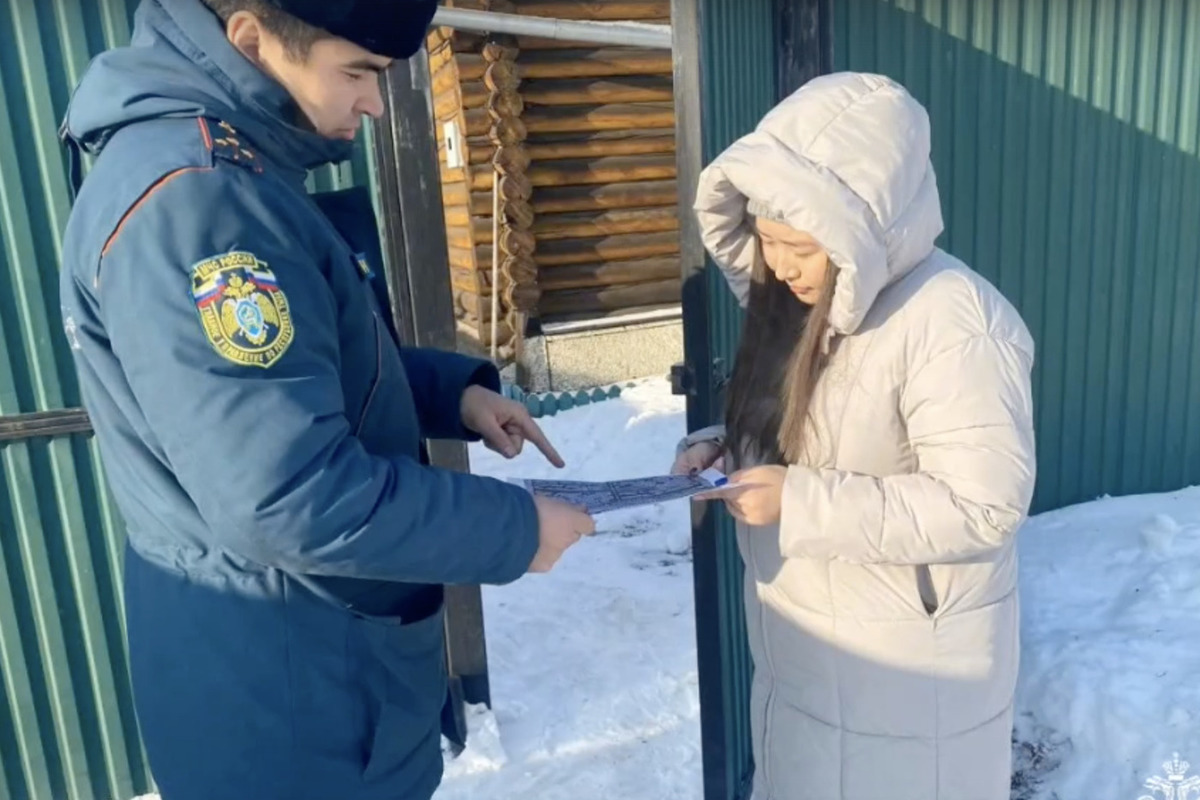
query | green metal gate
(1065,138)
(725,79)
(67,727)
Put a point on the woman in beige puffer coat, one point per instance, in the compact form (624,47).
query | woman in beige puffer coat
(880,407)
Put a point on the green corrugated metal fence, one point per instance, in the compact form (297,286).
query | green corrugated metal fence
(1065,137)
(67,727)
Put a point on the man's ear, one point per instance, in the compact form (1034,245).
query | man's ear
(245,33)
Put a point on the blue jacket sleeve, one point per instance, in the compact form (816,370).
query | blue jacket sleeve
(267,455)
(439,380)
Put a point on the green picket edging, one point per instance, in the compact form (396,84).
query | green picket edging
(550,403)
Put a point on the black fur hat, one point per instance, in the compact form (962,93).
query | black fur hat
(392,28)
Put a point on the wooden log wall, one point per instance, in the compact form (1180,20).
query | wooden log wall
(582,138)
(457,86)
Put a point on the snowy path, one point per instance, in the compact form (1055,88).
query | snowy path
(593,666)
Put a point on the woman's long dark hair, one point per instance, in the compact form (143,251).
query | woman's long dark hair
(778,363)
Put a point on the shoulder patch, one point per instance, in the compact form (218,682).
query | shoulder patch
(243,310)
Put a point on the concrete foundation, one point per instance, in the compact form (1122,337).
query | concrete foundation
(569,359)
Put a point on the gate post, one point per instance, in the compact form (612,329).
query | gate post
(418,276)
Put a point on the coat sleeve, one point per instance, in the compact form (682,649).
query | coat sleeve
(267,454)
(970,423)
(714,434)
(438,381)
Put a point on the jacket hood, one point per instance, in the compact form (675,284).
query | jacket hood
(845,159)
(180,64)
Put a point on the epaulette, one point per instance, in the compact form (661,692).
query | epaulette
(225,144)
(129,189)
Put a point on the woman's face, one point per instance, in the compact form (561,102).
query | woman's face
(795,258)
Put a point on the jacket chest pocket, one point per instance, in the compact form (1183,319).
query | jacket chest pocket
(388,424)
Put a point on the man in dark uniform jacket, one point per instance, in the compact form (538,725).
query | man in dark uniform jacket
(261,428)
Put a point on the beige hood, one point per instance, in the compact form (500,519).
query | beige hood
(846,159)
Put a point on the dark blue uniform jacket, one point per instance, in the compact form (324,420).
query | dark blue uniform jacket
(263,435)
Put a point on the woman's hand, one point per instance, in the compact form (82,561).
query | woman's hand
(760,501)
(697,458)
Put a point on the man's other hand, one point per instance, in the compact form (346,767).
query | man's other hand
(559,527)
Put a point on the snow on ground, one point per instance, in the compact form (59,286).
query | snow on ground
(593,666)
(1110,673)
